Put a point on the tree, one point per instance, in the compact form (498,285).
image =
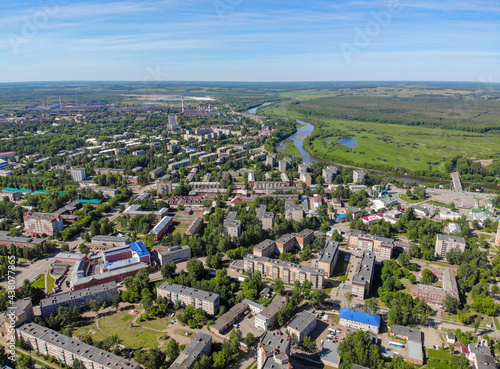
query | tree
(477,323)
(168,270)
(94,306)
(83,249)
(348,298)
(77,364)
(371,306)
(427,277)
(459,362)
(154,358)
(279,286)
(317,298)
(357,348)
(495,290)
(116,301)
(195,268)
(172,350)
(451,304)
(25,362)
(309,344)
(249,339)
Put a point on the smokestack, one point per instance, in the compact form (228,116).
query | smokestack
(182,104)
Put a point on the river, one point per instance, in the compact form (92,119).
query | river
(254,109)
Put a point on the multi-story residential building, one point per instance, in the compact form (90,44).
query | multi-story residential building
(329,257)
(134,210)
(207,301)
(228,319)
(362,281)
(285,243)
(163,187)
(7,240)
(161,227)
(359,320)
(108,242)
(271,160)
(445,243)
(266,319)
(178,164)
(200,345)
(358,176)
(437,295)
(232,226)
(174,254)
(287,272)
(20,312)
(78,174)
(66,349)
(273,351)
(284,164)
(43,224)
(266,218)
(265,248)
(304,238)
(380,246)
(303,324)
(329,174)
(80,298)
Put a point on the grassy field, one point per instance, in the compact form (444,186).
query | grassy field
(50,283)
(119,324)
(40,282)
(437,359)
(291,149)
(407,199)
(393,145)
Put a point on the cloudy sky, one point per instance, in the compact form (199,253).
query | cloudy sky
(243,40)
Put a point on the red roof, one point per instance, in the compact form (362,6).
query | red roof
(236,199)
(7,152)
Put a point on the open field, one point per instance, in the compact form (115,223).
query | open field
(411,148)
(438,359)
(40,282)
(121,325)
(50,283)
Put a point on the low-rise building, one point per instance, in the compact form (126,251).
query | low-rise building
(207,301)
(437,295)
(268,317)
(413,338)
(330,354)
(359,320)
(228,319)
(8,241)
(81,298)
(302,325)
(200,345)
(108,242)
(174,254)
(195,227)
(162,227)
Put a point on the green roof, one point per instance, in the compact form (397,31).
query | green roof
(10,189)
(39,192)
(90,201)
(25,190)
(482,210)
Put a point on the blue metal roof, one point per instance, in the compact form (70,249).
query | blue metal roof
(360,317)
(139,248)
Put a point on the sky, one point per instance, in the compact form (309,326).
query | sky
(243,40)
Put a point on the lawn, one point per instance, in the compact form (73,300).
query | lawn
(157,323)
(40,282)
(437,359)
(51,281)
(182,332)
(120,324)
(407,199)
(291,149)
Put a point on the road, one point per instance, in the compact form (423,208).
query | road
(457,183)
(31,271)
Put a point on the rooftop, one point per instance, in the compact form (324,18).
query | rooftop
(329,353)
(360,317)
(302,321)
(74,295)
(191,353)
(328,254)
(284,264)
(188,291)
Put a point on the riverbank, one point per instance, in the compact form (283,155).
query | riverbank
(397,150)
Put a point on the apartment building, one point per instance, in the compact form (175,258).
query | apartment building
(266,218)
(66,349)
(287,272)
(358,176)
(329,174)
(80,298)
(329,257)
(78,174)
(200,345)
(445,243)
(20,312)
(362,281)
(380,246)
(273,351)
(43,224)
(232,226)
(207,301)
(302,325)
(304,238)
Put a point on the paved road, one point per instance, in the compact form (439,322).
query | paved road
(31,271)
(457,184)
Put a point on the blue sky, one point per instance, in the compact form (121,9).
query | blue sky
(243,40)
